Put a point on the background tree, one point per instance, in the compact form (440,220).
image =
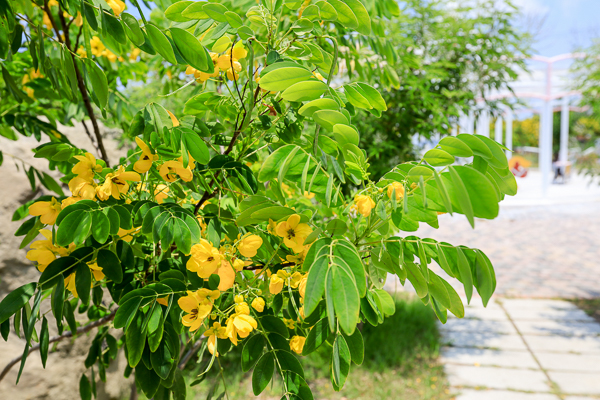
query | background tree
(445,57)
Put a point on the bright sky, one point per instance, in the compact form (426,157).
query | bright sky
(567,24)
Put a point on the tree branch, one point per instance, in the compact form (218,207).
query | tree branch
(84,94)
(65,335)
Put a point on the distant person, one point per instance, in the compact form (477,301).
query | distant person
(519,166)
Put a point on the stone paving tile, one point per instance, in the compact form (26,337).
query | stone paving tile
(532,314)
(491,314)
(576,382)
(554,327)
(470,394)
(488,357)
(564,344)
(580,398)
(478,325)
(484,339)
(534,250)
(497,378)
(518,304)
(585,363)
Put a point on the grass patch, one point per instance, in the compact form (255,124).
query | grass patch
(590,306)
(400,363)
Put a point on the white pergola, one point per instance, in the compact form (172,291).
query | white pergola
(552,89)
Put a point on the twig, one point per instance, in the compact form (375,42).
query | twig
(65,335)
(84,93)
(190,353)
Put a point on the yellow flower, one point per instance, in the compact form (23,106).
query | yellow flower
(127,234)
(242,308)
(46,21)
(80,187)
(205,259)
(293,232)
(302,285)
(78,20)
(71,200)
(227,276)
(318,76)
(238,264)
(198,306)
(97,46)
(96,271)
(399,190)
(249,245)
(144,163)
(224,62)
(298,258)
(289,323)
(47,210)
(117,6)
(217,331)
(239,325)
(86,167)
(160,193)
(174,119)
(295,279)
(277,281)
(258,304)
(163,300)
(134,54)
(297,343)
(272,227)
(364,204)
(173,168)
(44,252)
(238,298)
(116,183)
(237,52)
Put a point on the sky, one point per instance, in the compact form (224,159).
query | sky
(561,26)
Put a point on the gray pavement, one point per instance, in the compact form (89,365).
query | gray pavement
(527,349)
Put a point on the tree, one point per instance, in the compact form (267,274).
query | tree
(227,225)
(445,57)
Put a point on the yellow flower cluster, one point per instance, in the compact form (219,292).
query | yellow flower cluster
(240,323)
(293,232)
(282,277)
(364,204)
(197,306)
(228,62)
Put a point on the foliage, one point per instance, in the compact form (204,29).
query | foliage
(448,56)
(247,217)
(403,367)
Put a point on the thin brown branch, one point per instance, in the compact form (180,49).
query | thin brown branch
(67,334)
(84,94)
(47,10)
(190,353)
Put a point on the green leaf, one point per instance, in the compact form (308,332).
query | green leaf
(362,16)
(316,336)
(126,312)
(340,362)
(462,196)
(275,213)
(438,158)
(99,82)
(345,134)
(83,282)
(415,276)
(110,264)
(262,373)
(304,91)
(315,284)
(485,277)
(357,347)
(385,302)
(215,11)
(161,44)
(100,226)
(44,341)
(456,306)
(498,159)
(274,324)
(15,300)
(133,30)
(465,274)
(455,147)
(85,388)
(309,108)
(478,147)
(282,78)
(482,193)
(441,186)
(252,351)
(173,12)
(345,16)
(346,300)
(135,340)
(58,301)
(196,146)
(329,118)
(192,50)
(373,95)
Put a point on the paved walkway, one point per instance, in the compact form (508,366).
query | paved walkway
(520,349)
